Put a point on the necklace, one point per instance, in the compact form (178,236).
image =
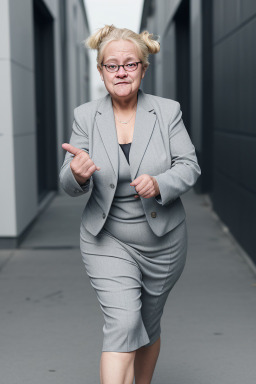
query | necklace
(125,122)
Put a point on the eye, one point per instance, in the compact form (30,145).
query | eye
(112,66)
(131,65)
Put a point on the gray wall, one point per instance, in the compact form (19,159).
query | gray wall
(157,19)
(19,198)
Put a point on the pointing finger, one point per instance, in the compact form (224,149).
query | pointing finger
(75,151)
(71,149)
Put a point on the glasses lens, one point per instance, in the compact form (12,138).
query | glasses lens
(111,67)
(131,67)
(128,67)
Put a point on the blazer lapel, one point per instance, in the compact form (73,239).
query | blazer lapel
(143,128)
(106,125)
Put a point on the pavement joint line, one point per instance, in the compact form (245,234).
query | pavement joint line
(6,261)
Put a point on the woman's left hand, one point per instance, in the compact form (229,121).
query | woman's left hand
(146,186)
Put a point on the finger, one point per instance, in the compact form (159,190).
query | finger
(86,169)
(136,181)
(81,151)
(141,180)
(145,190)
(144,187)
(91,170)
(71,149)
(81,159)
(148,193)
(92,163)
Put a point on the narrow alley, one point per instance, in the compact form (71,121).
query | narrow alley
(51,324)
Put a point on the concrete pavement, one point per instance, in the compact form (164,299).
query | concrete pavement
(51,322)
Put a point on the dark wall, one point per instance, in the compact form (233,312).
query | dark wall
(183,61)
(234,127)
(45,100)
(219,37)
(148,83)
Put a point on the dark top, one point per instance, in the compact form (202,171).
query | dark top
(126,150)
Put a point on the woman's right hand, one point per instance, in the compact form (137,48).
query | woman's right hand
(82,165)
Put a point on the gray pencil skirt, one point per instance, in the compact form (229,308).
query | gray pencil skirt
(132,272)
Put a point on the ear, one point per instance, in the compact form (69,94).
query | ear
(144,71)
(100,72)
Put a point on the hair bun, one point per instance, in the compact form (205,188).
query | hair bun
(145,42)
(96,38)
(152,44)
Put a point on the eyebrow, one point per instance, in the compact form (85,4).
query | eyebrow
(129,58)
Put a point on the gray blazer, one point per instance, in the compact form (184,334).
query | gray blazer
(161,148)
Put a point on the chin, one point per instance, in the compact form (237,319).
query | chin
(125,92)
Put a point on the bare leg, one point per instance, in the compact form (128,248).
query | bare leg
(145,362)
(117,367)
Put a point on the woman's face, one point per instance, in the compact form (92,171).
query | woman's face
(121,84)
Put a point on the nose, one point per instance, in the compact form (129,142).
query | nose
(121,72)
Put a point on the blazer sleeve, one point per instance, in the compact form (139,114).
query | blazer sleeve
(184,170)
(79,139)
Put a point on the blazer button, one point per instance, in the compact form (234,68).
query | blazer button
(112,186)
(153,214)
(103,215)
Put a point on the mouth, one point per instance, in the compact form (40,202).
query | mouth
(122,82)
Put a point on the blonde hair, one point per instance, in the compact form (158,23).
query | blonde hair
(144,41)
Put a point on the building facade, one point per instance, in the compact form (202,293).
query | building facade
(44,74)
(207,63)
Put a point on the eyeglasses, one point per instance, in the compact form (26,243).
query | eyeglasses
(127,67)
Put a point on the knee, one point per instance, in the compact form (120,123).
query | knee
(124,333)
(130,323)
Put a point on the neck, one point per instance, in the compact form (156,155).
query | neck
(124,104)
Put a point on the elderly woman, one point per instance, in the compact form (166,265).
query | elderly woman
(134,151)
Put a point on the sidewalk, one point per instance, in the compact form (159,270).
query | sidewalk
(51,322)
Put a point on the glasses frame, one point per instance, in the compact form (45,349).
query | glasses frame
(122,65)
